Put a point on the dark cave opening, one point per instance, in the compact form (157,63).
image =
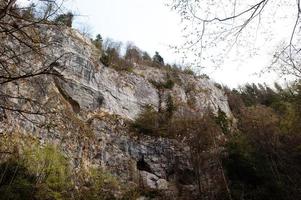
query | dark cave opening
(143,166)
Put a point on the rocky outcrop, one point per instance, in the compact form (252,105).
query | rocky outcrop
(94,85)
(157,163)
(94,102)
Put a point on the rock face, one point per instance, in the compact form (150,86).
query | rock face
(93,85)
(155,163)
(102,99)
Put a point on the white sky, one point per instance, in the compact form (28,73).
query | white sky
(151,26)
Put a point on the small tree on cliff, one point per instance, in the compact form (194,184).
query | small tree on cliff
(158,58)
(132,54)
(65,19)
(98,42)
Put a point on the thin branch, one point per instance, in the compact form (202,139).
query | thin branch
(7,8)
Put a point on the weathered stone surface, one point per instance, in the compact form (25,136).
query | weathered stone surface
(157,156)
(149,180)
(91,83)
(162,184)
(102,99)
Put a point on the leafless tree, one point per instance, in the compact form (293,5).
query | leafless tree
(212,28)
(133,53)
(204,138)
(24,53)
(85,29)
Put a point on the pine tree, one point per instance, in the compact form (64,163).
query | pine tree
(158,58)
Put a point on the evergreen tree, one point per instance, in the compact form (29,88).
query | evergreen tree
(98,42)
(158,58)
(65,19)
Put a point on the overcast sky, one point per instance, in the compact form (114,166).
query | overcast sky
(147,23)
(152,26)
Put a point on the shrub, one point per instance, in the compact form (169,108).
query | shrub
(39,173)
(189,71)
(123,65)
(148,122)
(205,76)
(222,120)
(155,123)
(98,42)
(111,52)
(189,125)
(148,193)
(235,101)
(260,124)
(170,106)
(101,186)
(111,57)
(51,169)
(168,84)
(202,134)
(132,54)
(158,59)
(146,57)
(219,86)
(65,19)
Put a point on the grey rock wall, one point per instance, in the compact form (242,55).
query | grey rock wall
(91,88)
(95,86)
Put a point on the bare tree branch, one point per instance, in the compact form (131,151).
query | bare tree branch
(209,24)
(25,46)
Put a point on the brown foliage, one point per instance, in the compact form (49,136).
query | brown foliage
(261,124)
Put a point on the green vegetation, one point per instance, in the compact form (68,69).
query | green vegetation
(170,125)
(111,56)
(52,172)
(65,19)
(201,133)
(100,186)
(167,84)
(155,123)
(170,106)
(261,158)
(189,71)
(39,173)
(98,42)
(150,122)
(257,159)
(205,76)
(158,59)
(148,193)
(222,120)
(32,172)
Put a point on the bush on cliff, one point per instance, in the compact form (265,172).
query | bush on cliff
(100,185)
(39,173)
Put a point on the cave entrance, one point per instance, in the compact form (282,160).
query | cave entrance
(143,166)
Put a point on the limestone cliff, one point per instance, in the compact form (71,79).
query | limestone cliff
(93,105)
